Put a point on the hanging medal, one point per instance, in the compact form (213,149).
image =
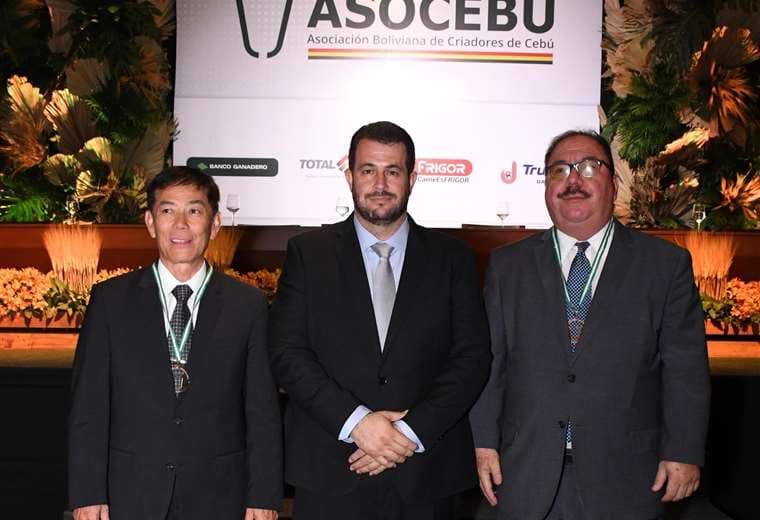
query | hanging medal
(575,322)
(178,365)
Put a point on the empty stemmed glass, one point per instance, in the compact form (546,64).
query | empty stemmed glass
(502,211)
(699,214)
(341,206)
(233,205)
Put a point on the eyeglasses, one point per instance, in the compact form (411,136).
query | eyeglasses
(588,168)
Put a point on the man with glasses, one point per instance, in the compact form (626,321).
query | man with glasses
(597,403)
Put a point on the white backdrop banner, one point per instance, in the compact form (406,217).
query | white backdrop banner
(268,94)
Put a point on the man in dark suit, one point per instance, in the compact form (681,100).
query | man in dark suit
(379,379)
(597,403)
(192,432)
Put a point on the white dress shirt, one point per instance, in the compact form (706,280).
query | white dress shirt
(169,282)
(366,240)
(568,250)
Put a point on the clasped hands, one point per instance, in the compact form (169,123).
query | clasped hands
(380,444)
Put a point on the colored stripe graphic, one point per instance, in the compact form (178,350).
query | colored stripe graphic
(416,55)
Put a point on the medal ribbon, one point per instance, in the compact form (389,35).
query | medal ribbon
(594,264)
(178,347)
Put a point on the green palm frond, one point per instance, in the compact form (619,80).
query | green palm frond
(649,118)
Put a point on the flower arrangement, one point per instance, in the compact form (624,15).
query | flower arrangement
(683,91)
(263,279)
(85,112)
(32,295)
(738,309)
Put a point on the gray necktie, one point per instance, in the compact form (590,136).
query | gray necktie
(383,290)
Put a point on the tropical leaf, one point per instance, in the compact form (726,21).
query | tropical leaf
(149,152)
(60,10)
(85,77)
(165,18)
(62,170)
(693,139)
(680,28)
(149,75)
(28,198)
(718,75)
(33,208)
(72,119)
(648,118)
(96,150)
(626,53)
(23,126)
(741,194)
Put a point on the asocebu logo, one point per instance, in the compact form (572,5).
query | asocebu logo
(444,167)
(508,176)
(246,35)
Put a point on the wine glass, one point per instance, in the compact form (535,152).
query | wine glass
(699,213)
(502,211)
(341,206)
(233,205)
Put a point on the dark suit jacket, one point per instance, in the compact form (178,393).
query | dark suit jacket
(133,444)
(325,352)
(637,388)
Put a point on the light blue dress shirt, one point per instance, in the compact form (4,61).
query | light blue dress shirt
(366,240)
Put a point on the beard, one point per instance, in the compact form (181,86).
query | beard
(385,215)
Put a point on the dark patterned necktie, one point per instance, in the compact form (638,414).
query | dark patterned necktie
(577,310)
(178,322)
(577,278)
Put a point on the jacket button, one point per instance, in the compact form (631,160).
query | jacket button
(561,424)
(170,467)
(571,378)
(383,380)
(178,420)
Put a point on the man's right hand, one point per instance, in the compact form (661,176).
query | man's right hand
(98,512)
(378,438)
(489,472)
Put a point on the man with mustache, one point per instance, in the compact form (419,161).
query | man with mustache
(597,403)
(378,334)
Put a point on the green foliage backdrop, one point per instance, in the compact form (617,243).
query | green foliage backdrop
(85,120)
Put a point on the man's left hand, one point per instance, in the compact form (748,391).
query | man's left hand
(253,513)
(362,463)
(682,479)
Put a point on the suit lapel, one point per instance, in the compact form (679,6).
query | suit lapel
(605,296)
(150,320)
(412,273)
(209,310)
(550,274)
(353,276)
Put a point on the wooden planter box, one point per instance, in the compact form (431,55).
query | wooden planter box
(718,329)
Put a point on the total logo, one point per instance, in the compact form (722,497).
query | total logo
(316,167)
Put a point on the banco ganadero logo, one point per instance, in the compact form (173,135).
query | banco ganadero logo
(444,167)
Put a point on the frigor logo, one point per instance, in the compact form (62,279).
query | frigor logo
(280,37)
(447,167)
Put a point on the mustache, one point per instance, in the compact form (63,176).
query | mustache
(573,190)
(381,194)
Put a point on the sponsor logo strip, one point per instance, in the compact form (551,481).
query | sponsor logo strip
(470,56)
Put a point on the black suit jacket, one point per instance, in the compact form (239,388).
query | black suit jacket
(325,352)
(134,445)
(637,387)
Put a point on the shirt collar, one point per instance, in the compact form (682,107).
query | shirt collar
(567,243)
(169,282)
(397,240)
